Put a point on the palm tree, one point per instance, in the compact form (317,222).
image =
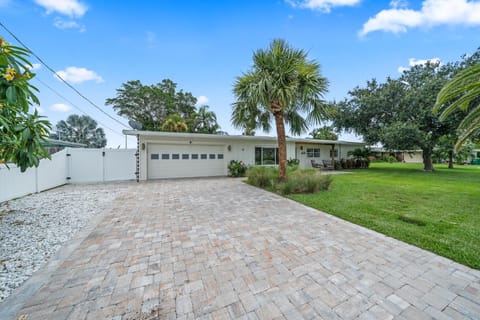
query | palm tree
(205,121)
(175,123)
(283,84)
(80,129)
(463,93)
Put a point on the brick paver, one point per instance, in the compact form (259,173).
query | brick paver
(220,249)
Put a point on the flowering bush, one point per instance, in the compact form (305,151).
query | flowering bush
(21,133)
(237,169)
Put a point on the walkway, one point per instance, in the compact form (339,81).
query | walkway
(220,249)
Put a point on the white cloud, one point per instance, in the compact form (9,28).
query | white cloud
(433,12)
(60,107)
(322,5)
(78,75)
(398,4)
(35,66)
(68,24)
(201,100)
(71,8)
(415,62)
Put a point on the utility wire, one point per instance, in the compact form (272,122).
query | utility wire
(59,77)
(74,105)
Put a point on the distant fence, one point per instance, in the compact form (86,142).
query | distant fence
(70,165)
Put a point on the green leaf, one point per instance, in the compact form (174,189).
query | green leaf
(11,94)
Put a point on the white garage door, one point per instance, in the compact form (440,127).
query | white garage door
(182,161)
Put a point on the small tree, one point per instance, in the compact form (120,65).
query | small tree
(22,135)
(175,123)
(324,133)
(80,129)
(205,121)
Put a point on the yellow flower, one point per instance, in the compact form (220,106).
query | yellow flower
(10,75)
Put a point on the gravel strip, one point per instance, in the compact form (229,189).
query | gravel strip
(34,227)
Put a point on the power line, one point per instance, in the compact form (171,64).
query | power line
(74,105)
(59,77)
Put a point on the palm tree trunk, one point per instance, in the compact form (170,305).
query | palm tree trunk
(282,145)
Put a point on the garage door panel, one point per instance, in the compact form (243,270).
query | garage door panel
(180,161)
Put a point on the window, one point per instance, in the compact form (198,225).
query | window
(211,156)
(194,156)
(313,153)
(185,156)
(335,153)
(266,156)
(203,156)
(175,156)
(220,156)
(154,156)
(165,156)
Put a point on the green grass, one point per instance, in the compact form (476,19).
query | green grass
(437,211)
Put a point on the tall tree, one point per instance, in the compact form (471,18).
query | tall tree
(398,113)
(282,84)
(462,93)
(80,129)
(324,133)
(151,105)
(205,121)
(22,134)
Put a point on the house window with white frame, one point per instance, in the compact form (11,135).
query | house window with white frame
(313,152)
(266,156)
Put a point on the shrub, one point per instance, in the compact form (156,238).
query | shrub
(293,163)
(297,181)
(391,159)
(304,181)
(262,177)
(237,169)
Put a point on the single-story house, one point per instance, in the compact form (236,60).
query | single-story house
(179,155)
(407,156)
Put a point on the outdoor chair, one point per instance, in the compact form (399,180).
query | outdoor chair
(316,164)
(328,165)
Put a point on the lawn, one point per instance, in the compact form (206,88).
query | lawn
(438,211)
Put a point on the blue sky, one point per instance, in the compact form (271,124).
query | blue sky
(204,45)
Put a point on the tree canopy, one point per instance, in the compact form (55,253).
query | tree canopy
(152,106)
(398,113)
(80,129)
(324,133)
(282,85)
(22,134)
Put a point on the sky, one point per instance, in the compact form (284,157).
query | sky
(203,46)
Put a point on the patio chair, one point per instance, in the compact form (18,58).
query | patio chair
(316,164)
(328,165)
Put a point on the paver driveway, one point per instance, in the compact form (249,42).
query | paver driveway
(220,249)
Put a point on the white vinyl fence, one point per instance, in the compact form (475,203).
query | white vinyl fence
(70,165)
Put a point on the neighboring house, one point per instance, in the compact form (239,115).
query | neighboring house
(52,146)
(474,156)
(176,155)
(407,156)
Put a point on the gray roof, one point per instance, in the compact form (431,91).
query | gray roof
(54,142)
(233,137)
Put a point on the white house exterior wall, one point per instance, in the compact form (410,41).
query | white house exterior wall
(413,157)
(239,150)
